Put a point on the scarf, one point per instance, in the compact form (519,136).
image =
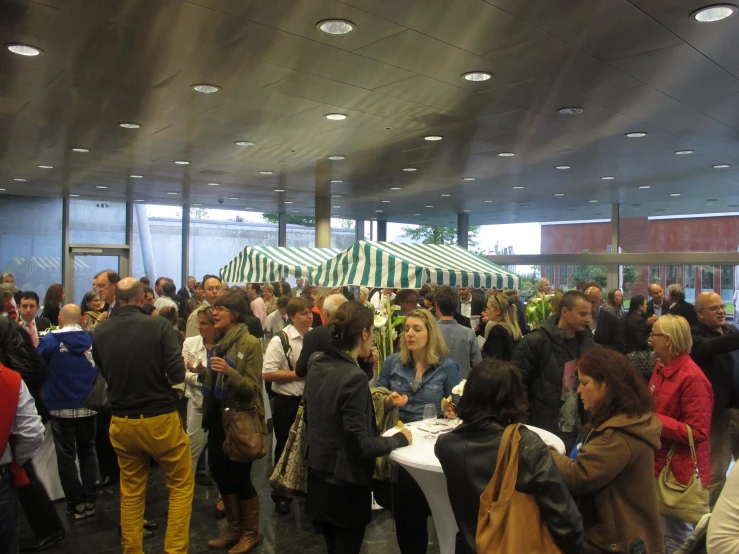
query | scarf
(227,348)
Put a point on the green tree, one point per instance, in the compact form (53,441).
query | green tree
(434,234)
(195,213)
(304,221)
(592,273)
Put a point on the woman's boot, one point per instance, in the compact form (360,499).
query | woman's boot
(232,532)
(250,536)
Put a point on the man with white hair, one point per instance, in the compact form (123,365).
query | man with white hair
(678,305)
(318,338)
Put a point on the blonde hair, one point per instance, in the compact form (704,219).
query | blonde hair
(508,314)
(555,301)
(436,348)
(320,299)
(678,329)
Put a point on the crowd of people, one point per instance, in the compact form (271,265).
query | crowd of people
(190,379)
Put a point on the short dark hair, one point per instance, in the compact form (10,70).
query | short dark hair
(256,287)
(446,299)
(112,276)
(571,298)
(636,302)
(348,322)
(297,305)
(148,309)
(160,279)
(285,289)
(234,302)
(209,276)
(146,281)
(148,290)
(30,295)
(169,288)
(403,295)
(495,388)
(626,389)
(282,301)
(126,296)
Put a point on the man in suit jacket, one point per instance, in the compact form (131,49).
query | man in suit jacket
(678,305)
(607,328)
(27,309)
(470,305)
(188,291)
(657,306)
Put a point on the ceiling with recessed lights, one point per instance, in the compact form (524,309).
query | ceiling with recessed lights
(518,110)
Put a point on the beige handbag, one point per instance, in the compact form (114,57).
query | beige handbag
(682,502)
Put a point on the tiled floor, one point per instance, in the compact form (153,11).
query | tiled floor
(283,534)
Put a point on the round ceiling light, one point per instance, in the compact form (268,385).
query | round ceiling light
(386,201)
(608,178)
(409,169)
(287,202)
(46,166)
(378,211)
(213,184)
(477,76)
(336,158)
(19,179)
(336,26)
(141,200)
(182,162)
(506,154)
(205,88)
(429,206)
(266,172)
(563,167)
(721,166)
(244,143)
(336,207)
(433,138)
(571,110)
(416,214)
(684,152)
(336,116)
(717,12)
(129,125)
(136,176)
(469,178)
(637,134)
(24,49)
(83,150)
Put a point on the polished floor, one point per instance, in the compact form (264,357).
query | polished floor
(283,534)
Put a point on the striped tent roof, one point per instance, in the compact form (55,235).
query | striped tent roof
(264,264)
(396,265)
(36,264)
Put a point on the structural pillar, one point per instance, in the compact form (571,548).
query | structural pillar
(185,242)
(382,230)
(323,222)
(282,228)
(359,229)
(67,261)
(463,230)
(613,273)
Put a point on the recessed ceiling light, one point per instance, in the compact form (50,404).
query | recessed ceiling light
(488,201)
(213,184)
(645,186)
(525,206)
(19,179)
(336,116)
(24,49)
(559,194)
(233,197)
(717,12)
(336,158)
(373,218)
(197,204)
(518,188)
(386,201)
(378,211)
(100,187)
(74,195)
(136,176)
(446,195)
(433,138)
(395,188)
(82,150)
(416,214)
(569,209)
(409,169)
(563,167)
(206,89)
(637,134)
(244,143)
(469,178)
(266,172)
(291,211)
(506,154)
(571,110)
(172,193)
(336,26)
(335,196)
(636,205)
(140,200)
(336,206)
(336,181)
(182,162)
(593,201)
(46,166)
(674,194)
(429,206)
(129,125)
(660,210)
(279,190)
(287,202)
(721,166)
(732,205)
(683,152)
(466,211)
(608,178)
(477,76)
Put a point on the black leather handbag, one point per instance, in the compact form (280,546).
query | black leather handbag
(97,401)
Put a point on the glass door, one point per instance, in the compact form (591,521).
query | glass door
(85,261)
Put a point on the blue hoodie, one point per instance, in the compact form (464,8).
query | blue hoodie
(72,372)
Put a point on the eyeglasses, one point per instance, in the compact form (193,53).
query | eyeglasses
(720,308)
(220,309)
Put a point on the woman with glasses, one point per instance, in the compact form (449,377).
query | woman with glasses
(421,373)
(233,382)
(683,396)
(503,332)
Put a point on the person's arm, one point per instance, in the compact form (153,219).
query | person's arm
(244,384)
(526,361)
(310,345)
(273,368)
(174,365)
(45,347)
(723,527)
(260,312)
(96,356)
(618,342)
(597,464)
(384,378)
(494,345)
(27,430)
(538,476)
(641,333)
(710,346)
(475,354)
(696,405)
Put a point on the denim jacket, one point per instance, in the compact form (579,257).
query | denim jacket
(436,383)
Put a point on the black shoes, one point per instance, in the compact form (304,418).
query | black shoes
(148,529)
(48,542)
(282,507)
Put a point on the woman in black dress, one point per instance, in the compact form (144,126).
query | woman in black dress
(504,332)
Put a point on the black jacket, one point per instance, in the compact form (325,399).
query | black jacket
(686,310)
(477,303)
(609,332)
(140,357)
(341,429)
(650,308)
(318,339)
(711,351)
(468,456)
(499,344)
(540,357)
(636,332)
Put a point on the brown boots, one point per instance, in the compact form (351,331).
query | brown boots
(242,529)
(250,536)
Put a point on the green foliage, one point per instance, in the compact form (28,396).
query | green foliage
(595,273)
(538,309)
(305,221)
(434,234)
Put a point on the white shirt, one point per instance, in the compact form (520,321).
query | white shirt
(275,360)
(379,300)
(193,350)
(27,429)
(465,307)
(275,322)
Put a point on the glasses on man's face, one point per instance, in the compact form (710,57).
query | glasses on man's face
(213,289)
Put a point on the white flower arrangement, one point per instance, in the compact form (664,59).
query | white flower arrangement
(459,389)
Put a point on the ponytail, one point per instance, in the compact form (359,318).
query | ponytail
(508,314)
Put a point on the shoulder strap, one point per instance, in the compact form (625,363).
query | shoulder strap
(503,481)
(286,348)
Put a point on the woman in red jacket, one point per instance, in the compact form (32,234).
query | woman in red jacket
(683,396)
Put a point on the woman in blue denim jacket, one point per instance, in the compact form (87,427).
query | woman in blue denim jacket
(422,373)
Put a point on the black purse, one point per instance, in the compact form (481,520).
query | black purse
(97,400)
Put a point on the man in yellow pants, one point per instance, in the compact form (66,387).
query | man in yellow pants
(140,358)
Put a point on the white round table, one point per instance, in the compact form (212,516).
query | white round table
(421,462)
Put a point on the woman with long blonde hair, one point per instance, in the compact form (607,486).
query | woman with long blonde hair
(505,333)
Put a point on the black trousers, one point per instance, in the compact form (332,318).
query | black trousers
(74,438)
(283,417)
(231,477)
(410,512)
(107,458)
(37,505)
(340,540)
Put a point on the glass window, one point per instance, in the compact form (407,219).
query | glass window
(85,269)
(672,274)
(727,283)
(157,242)
(342,233)
(31,241)
(96,222)
(707,278)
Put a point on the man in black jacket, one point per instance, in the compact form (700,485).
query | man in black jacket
(607,329)
(546,359)
(678,305)
(657,306)
(140,358)
(713,344)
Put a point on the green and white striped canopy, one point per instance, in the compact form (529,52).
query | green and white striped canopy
(265,264)
(399,265)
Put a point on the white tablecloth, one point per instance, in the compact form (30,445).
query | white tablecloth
(421,462)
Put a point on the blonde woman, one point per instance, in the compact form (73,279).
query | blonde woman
(268,295)
(421,373)
(505,333)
